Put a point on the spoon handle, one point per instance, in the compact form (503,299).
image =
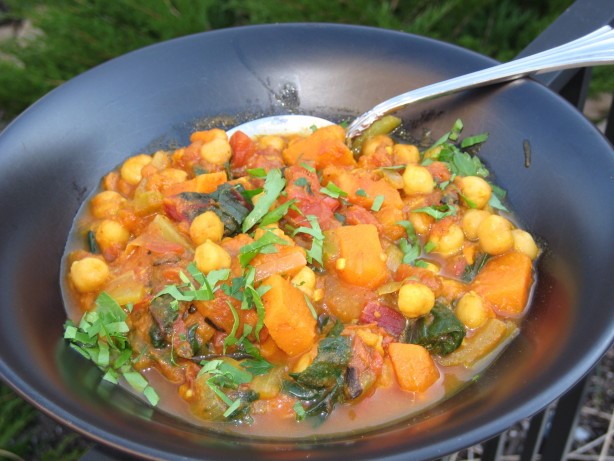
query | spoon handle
(596,48)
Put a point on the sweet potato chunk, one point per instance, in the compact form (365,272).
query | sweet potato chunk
(326,146)
(360,256)
(204,184)
(415,369)
(504,282)
(287,316)
(287,261)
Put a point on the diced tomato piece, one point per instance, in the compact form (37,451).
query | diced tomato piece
(355,214)
(304,187)
(439,171)
(242,148)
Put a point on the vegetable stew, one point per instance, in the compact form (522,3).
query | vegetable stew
(288,285)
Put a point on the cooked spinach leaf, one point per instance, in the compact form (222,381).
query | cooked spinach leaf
(92,244)
(471,271)
(320,385)
(227,201)
(440,331)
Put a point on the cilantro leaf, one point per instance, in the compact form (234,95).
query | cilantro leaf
(275,215)
(473,140)
(497,197)
(437,211)
(273,186)
(102,337)
(317,245)
(265,244)
(334,191)
(308,167)
(257,172)
(378,201)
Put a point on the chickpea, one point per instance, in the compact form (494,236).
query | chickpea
(449,242)
(417,180)
(206,226)
(174,175)
(495,235)
(111,233)
(471,220)
(524,243)
(422,222)
(131,169)
(216,151)
(472,311)
(209,256)
(403,154)
(274,142)
(305,281)
(415,300)
(89,274)
(476,190)
(372,144)
(106,204)
(161,160)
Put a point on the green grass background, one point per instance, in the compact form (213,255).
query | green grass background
(71,36)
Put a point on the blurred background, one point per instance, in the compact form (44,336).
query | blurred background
(45,43)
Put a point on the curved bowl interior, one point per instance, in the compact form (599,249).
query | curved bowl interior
(53,156)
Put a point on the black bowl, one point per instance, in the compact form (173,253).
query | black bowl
(54,154)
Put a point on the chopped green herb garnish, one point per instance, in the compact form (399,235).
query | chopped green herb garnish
(377,203)
(497,197)
(252,297)
(102,337)
(299,410)
(315,252)
(273,186)
(265,244)
(275,215)
(361,193)
(411,251)
(410,246)
(473,140)
(453,134)
(456,130)
(257,172)
(308,167)
(188,291)
(311,308)
(231,339)
(421,263)
(430,246)
(437,211)
(332,190)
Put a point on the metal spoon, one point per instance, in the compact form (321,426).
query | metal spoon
(596,48)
